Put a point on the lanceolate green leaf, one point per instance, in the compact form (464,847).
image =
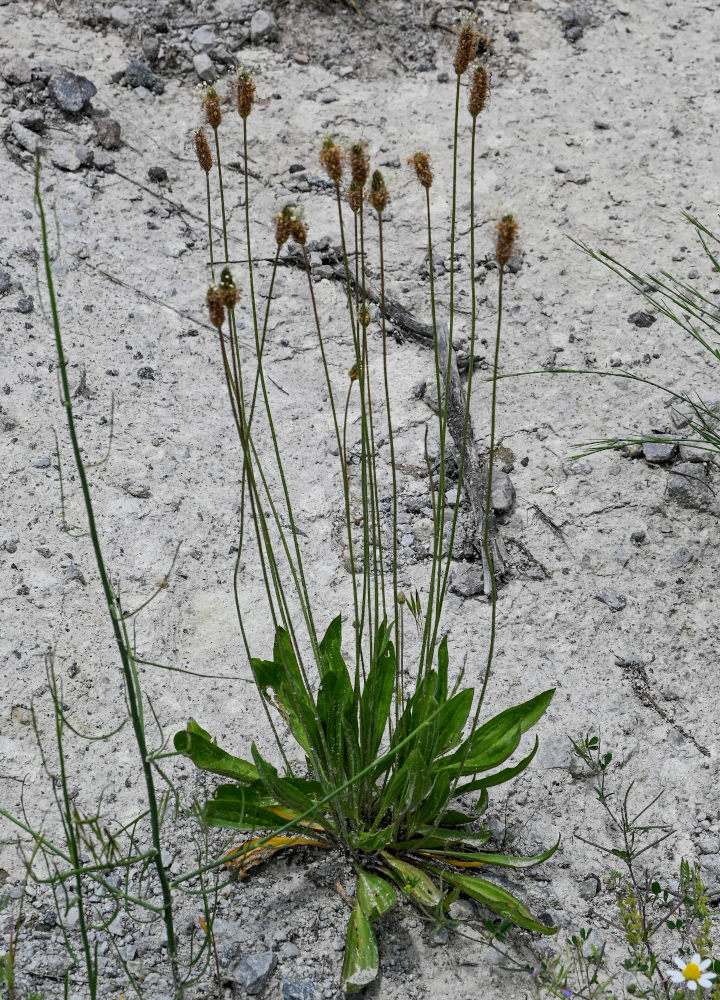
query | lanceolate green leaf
(499,777)
(377,694)
(237,808)
(361,952)
(490,858)
(415,882)
(197,744)
(374,894)
(497,899)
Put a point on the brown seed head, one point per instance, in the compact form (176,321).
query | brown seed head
(216,306)
(202,148)
(331,159)
(244,88)
(359,164)
(506,231)
(423,171)
(211,106)
(354,197)
(284,225)
(479,90)
(353,373)
(468,36)
(364,316)
(299,230)
(379,195)
(228,291)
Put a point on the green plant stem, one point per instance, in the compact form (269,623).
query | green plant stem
(391,441)
(222,195)
(471,364)
(209,222)
(133,695)
(438,532)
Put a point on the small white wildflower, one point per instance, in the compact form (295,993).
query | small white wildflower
(693,973)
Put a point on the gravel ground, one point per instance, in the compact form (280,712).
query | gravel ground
(602,126)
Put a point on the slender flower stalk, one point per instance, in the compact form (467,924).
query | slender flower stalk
(134,696)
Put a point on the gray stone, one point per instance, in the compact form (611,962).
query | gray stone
(681,557)
(641,318)
(494,957)
(104,161)
(16,70)
(5,282)
(157,174)
(689,487)
(579,467)
(503,492)
(690,453)
(65,158)
(137,489)
(297,989)
(467,580)
(204,67)
(70,91)
(150,46)
(254,972)
(121,16)
(25,138)
(263,27)
(590,887)
(26,304)
(203,38)
(288,950)
(327,96)
(615,601)
(85,154)
(659,452)
(107,131)
(139,74)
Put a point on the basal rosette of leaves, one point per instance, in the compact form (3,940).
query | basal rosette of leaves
(395,812)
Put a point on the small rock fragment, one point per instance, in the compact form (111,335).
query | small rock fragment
(65,158)
(681,557)
(139,74)
(327,96)
(467,580)
(16,70)
(641,318)
(157,174)
(137,489)
(254,972)
(503,493)
(203,39)
(615,601)
(659,452)
(5,282)
(263,27)
(688,485)
(26,304)
(104,161)
(297,989)
(25,138)
(578,467)
(31,118)
(205,67)
(107,131)
(121,16)
(590,887)
(70,91)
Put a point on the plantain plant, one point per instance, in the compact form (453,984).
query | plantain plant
(398,759)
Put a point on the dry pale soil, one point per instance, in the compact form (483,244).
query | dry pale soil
(602,125)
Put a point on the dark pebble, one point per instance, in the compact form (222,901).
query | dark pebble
(443,77)
(139,74)
(512,36)
(158,174)
(5,282)
(296,168)
(26,304)
(69,91)
(641,318)
(147,373)
(108,132)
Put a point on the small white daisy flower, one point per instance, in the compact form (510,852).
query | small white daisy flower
(692,974)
